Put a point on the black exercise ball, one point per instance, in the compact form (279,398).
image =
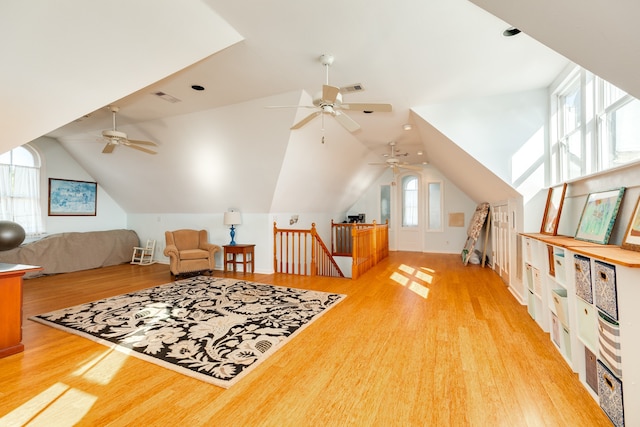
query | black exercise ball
(11,235)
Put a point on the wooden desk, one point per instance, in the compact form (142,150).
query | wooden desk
(231,253)
(11,307)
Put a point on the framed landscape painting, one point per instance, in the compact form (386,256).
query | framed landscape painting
(552,210)
(631,239)
(599,216)
(72,198)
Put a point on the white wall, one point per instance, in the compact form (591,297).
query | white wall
(493,129)
(450,239)
(57,163)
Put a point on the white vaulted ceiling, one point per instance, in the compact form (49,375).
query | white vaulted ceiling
(69,59)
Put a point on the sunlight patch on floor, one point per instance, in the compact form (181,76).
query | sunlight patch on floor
(414,279)
(102,368)
(59,405)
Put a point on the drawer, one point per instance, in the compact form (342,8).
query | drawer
(605,288)
(584,287)
(609,343)
(610,395)
(587,324)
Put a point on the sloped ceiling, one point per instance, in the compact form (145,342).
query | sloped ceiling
(220,147)
(64,59)
(603,37)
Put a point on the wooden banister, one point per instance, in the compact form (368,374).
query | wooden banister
(302,252)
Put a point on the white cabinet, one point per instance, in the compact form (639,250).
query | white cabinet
(588,299)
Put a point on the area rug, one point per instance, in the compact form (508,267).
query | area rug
(216,330)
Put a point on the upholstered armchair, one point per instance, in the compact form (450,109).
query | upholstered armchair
(189,251)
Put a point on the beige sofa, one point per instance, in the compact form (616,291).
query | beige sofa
(74,251)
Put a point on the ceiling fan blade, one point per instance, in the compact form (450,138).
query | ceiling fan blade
(330,93)
(108,148)
(346,121)
(146,150)
(378,164)
(135,141)
(380,108)
(306,120)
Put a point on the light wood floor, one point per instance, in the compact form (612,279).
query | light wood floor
(467,354)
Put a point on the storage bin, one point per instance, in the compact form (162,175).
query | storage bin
(529,273)
(610,395)
(555,330)
(531,304)
(537,281)
(584,287)
(609,343)
(591,370)
(587,324)
(605,288)
(566,342)
(559,297)
(558,259)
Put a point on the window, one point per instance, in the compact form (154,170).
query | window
(595,127)
(20,189)
(410,201)
(568,149)
(385,204)
(435,205)
(619,129)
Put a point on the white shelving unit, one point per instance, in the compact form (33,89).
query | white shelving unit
(587,297)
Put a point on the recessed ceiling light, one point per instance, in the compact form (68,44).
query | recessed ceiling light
(511,31)
(407,126)
(197,87)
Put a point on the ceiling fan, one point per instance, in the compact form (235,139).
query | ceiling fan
(329,101)
(394,162)
(114,137)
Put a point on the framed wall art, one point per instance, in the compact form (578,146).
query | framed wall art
(599,215)
(631,239)
(72,198)
(553,209)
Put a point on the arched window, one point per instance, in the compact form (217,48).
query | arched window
(20,189)
(410,201)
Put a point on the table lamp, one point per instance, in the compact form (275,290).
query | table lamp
(232,218)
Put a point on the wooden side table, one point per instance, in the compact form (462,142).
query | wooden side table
(11,307)
(231,253)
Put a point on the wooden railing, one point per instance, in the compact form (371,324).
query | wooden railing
(302,252)
(342,237)
(370,244)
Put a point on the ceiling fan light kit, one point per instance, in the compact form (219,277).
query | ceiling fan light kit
(394,163)
(114,137)
(329,101)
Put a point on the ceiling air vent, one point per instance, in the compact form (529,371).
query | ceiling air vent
(356,87)
(166,97)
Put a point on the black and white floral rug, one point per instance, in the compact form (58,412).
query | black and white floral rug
(209,328)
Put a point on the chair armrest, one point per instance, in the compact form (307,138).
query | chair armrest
(171,250)
(210,247)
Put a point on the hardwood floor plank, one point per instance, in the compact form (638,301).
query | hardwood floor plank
(420,340)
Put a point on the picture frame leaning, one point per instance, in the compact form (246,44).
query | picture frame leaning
(631,239)
(72,198)
(553,209)
(599,215)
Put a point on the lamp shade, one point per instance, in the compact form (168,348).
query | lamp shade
(232,218)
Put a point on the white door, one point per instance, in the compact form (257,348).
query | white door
(409,212)
(500,219)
